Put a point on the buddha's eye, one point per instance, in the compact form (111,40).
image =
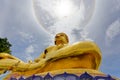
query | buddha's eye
(61,35)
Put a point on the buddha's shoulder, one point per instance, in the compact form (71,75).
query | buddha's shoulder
(49,47)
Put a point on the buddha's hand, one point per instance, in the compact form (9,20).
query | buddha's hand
(37,60)
(5,56)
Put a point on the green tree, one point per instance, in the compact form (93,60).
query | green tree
(5,45)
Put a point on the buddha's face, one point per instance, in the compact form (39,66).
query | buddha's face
(61,38)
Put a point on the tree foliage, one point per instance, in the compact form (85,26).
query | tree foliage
(5,45)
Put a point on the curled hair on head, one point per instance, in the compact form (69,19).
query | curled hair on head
(64,35)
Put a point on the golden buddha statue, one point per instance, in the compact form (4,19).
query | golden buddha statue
(75,58)
(61,40)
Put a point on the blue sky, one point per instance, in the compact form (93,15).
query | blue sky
(28,38)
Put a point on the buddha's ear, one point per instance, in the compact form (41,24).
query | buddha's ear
(55,42)
(67,39)
(46,51)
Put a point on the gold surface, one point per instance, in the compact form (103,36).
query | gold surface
(62,56)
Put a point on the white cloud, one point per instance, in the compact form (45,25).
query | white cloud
(113,30)
(84,36)
(29,50)
(116,5)
(26,36)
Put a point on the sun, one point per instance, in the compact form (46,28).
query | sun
(69,16)
(64,8)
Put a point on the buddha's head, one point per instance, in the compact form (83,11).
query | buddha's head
(61,38)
